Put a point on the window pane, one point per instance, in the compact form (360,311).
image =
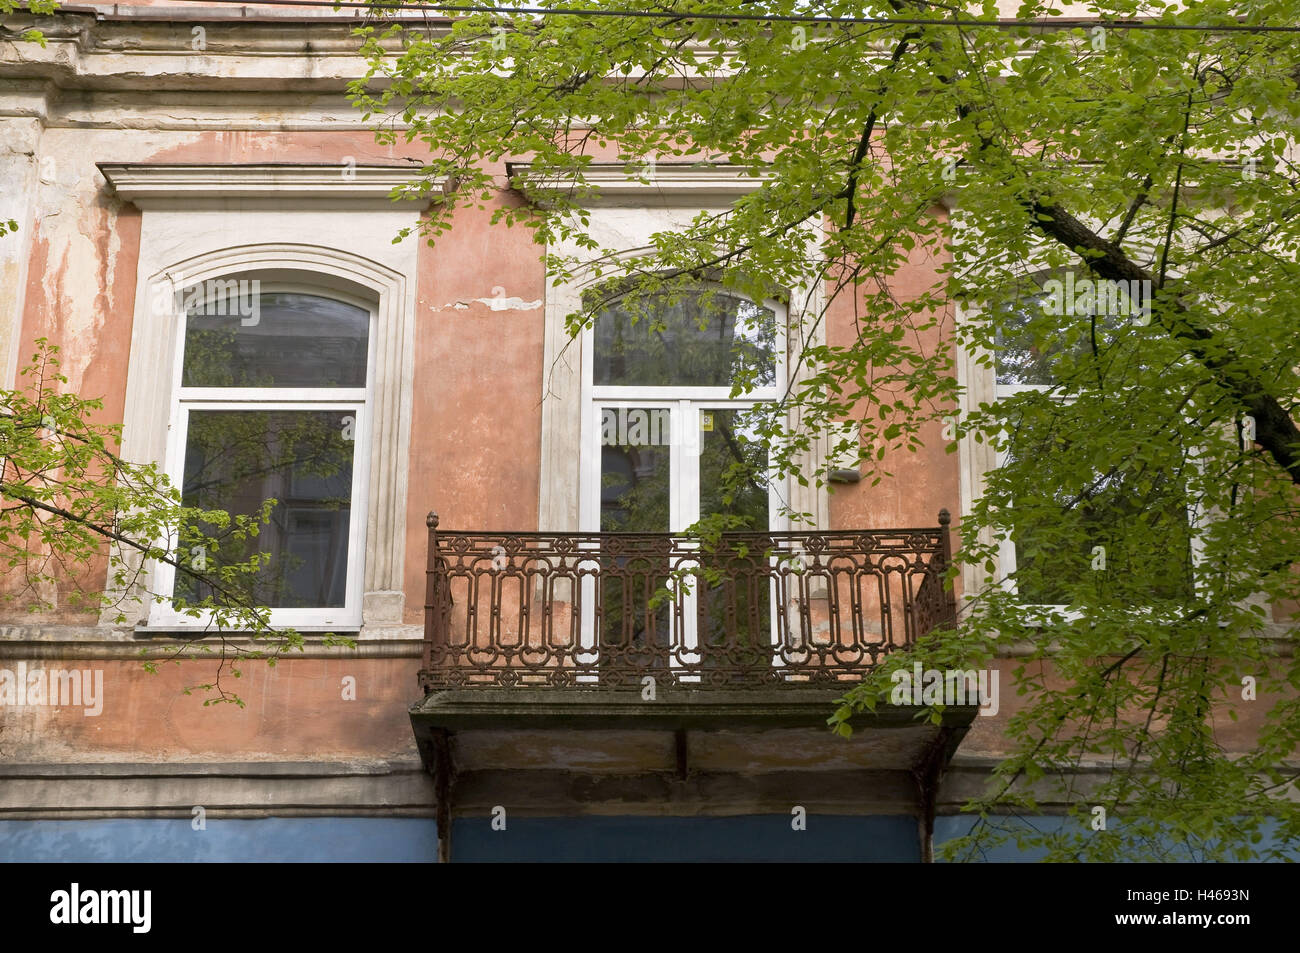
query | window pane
(1031,338)
(731,450)
(734,604)
(635,443)
(236,459)
(635,468)
(699,339)
(243,339)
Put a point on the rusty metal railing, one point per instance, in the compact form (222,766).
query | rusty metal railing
(608,610)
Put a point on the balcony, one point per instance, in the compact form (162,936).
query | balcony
(639,673)
(607,611)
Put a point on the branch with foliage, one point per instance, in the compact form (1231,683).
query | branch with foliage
(80,525)
(38,8)
(1165,442)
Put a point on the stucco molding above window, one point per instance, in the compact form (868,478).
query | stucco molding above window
(157,183)
(629,184)
(289,236)
(625,216)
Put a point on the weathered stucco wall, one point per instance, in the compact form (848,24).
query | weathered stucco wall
(477,416)
(130,87)
(923,482)
(318,709)
(131,84)
(133,90)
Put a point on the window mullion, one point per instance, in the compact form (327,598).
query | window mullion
(686,464)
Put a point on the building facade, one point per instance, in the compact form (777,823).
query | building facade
(206,229)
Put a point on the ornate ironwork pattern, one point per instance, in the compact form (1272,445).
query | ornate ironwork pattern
(605,610)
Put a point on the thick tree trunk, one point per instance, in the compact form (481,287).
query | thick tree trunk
(1275,431)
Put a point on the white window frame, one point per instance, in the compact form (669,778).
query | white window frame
(977,379)
(357,400)
(683,402)
(626,212)
(292,222)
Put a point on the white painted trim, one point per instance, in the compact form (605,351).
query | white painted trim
(723,394)
(240,395)
(390,295)
(357,400)
(145,183)
(662,183)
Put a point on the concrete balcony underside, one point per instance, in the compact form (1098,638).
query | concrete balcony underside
(548,752)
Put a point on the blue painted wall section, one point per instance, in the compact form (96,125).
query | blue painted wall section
(765,837)
(285,839)
(414,840)
(947,828)
(343,839)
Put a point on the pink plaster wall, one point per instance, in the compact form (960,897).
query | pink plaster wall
(293,711)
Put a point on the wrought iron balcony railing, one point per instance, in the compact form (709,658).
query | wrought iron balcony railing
(606,610)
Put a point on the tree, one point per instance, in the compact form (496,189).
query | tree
(79,522)
(1153,473)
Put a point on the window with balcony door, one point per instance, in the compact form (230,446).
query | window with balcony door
(674,385)
(663,376)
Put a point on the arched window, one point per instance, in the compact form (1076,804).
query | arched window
(673,384)
(271,403)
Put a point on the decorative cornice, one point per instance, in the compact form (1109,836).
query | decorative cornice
(151,182)
(661,183)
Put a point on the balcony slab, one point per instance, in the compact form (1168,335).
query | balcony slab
(549,752)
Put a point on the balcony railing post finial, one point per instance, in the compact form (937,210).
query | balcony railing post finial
(945,548)
(434,553)
(434,617)
(945,536)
